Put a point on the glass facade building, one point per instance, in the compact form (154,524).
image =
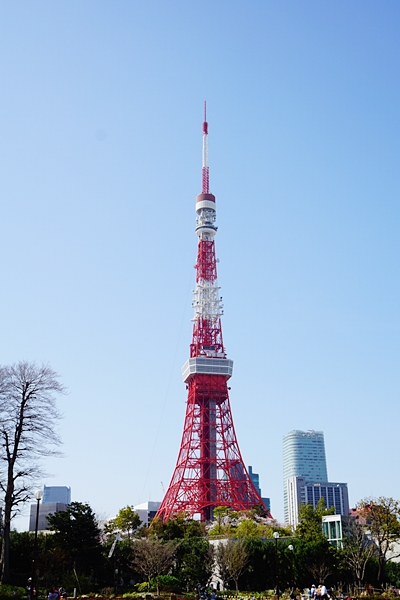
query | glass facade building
(303,456)
(55,499)
(56,493)
(300,491)
(256,480)
(334,528)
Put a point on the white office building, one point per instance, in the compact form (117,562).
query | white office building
(147,511)
(300,491)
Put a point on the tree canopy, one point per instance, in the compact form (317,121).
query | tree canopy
(310,521)
(382,518)
(126,521)
(77,532)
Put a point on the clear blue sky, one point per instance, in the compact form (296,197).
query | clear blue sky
(101,112)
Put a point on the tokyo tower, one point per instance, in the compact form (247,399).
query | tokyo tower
(209,470)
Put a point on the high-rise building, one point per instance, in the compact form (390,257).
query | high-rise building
(303,456)
(50,508)
(300,491)
(256,480)
(56,493)
(55,499)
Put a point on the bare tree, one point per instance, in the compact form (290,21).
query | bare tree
(28,414)
(320,571)
(153,558)
(232,559)
(357,551)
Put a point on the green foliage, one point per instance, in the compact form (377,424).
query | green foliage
(126,521)
(180,526)
(194,562)
(382,517)
(166,583)
(121,559)
(310,521)
(260,571)
(11,592)
(21,553)
(243,524)
(315,559)
(50,559)
(77,536)
(392,572)
(247,528)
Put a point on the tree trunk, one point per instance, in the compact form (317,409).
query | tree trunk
(5,549)
(381,560)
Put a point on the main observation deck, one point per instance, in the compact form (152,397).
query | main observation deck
(207,366)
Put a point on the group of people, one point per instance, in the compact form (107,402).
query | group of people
(56,593)
(207,593)
(319,592)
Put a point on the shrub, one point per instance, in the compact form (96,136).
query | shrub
(12,592)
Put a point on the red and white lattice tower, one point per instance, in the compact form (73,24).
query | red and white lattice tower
(210,470)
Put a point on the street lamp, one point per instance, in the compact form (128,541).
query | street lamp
(33,592)
(291,548)
(276,536)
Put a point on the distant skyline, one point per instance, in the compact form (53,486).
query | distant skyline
(100,164)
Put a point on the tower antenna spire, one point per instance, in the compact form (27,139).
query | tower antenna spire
(205,173)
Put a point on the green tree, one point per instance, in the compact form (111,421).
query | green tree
(28,415)
(126,521)
(392,572)
(194,562)
(178,527)
(76,532)
(247,528)
(315,556)
(50,560)
(310,521)
(316,559)
(382,519)
(260,572)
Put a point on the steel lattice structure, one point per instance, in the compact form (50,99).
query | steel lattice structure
(210,470)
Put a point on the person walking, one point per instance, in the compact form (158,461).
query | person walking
(323,592)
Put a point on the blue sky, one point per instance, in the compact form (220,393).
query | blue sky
(100,129)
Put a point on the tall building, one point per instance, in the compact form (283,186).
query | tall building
(303,456)
(300,491)
(209,471)
(45,510)
(256,480)
(55,499)
(56,493)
